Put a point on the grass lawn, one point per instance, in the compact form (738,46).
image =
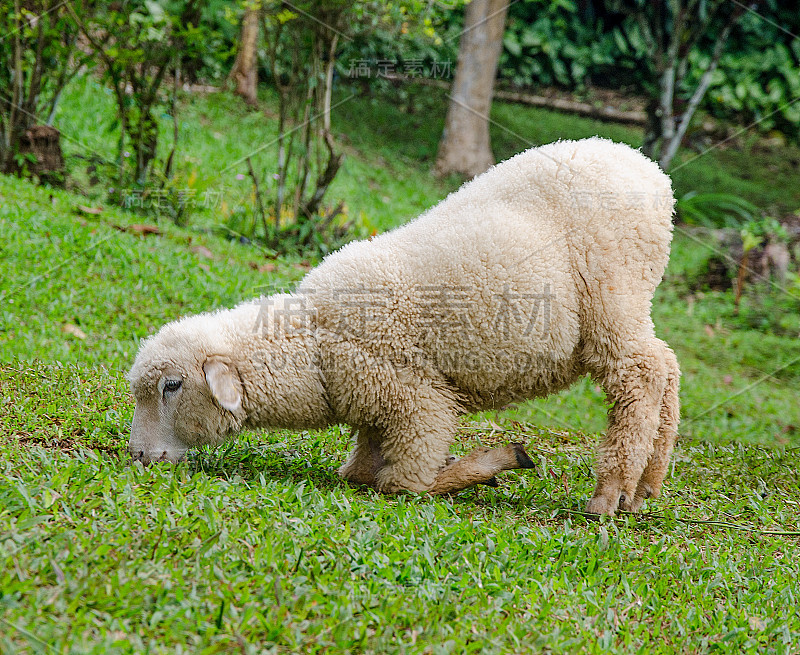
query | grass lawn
(259,547)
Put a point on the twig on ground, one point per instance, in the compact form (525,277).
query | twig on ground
(661,517)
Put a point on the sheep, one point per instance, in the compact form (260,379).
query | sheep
(535,273)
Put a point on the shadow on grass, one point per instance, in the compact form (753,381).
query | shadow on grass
(251,463)
(70,445)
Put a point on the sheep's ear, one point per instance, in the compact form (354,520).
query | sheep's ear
(224,383)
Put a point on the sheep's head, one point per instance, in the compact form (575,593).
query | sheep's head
(186,395)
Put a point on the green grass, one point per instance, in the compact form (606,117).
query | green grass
(259,547)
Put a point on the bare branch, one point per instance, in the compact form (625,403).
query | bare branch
(260,204)
(673,144)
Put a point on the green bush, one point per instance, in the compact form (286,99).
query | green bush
(757,87)
(715,210)
(550,42)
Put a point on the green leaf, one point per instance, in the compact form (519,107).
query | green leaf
(512,44)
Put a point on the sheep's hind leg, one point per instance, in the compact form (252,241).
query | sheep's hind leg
(417,458)
(650,483)
(480,467)
(635,384)
(365,460)
(452,459)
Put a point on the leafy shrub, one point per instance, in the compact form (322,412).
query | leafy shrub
(314,237)
(39,56)
(138,43)
(757,87)
(550,42)
(400,41)
(759,73)
(715,210)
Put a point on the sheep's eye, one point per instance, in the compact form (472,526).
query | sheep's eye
(172,385)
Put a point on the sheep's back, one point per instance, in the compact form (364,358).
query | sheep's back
(491,283)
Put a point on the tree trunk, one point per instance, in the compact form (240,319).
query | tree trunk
(465,147)
(39,155)
(244,72)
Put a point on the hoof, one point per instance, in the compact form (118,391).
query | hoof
(626,503)
(643,492)
(637,503)
(524,461)
(601,505)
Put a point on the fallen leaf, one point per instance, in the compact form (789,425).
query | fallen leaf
(205,267)
(74,330)
(253,265)
(202,251)
(90,210)
(267,268)
(709,331)
(302,266)
(728,380)
(142,228)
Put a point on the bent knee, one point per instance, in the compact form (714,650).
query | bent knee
(395,478)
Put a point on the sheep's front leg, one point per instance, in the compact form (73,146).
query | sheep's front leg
(415,449)
(480,467)
(635,386)
(409,414)
(365,460)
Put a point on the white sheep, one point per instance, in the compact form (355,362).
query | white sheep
(535,273)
